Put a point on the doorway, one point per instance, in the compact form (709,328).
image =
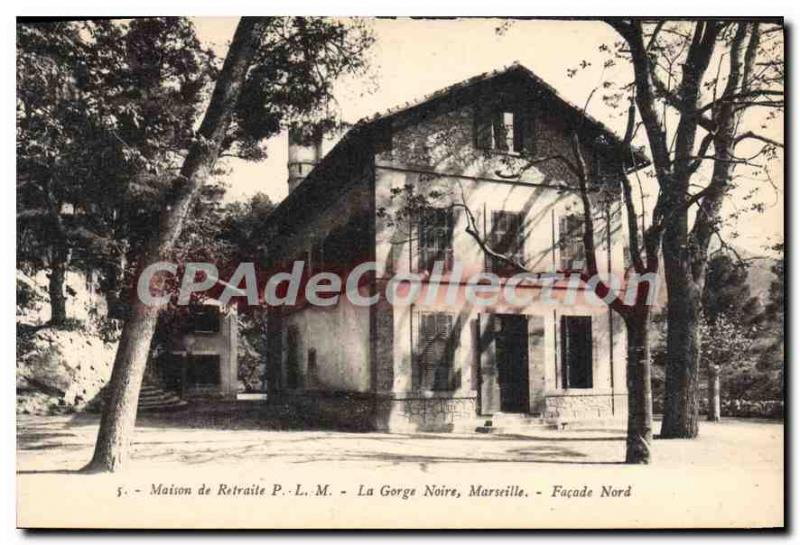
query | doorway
(511,357)
(202,374)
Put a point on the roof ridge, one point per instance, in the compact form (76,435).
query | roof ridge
(442,91)
(514,65)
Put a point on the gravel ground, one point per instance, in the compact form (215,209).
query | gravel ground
(731,476)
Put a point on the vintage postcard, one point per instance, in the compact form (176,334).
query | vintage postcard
(452,273)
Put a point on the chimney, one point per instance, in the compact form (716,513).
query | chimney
(305,151)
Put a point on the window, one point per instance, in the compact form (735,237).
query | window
(205,319)
(576,351)
(571,243)
(504,129)
(433,369)
(435,239)
(202,372)
(507,237)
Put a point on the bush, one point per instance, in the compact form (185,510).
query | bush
(742,408)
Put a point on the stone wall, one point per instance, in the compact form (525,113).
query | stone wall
(585,408)
(352,411)
(433,414)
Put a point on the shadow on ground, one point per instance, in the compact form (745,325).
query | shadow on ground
(212,434)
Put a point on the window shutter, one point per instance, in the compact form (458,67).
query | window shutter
(577,351)
(562,243)
(437,341)
(423,346)
(588,351)
(420,243)
(499,136)
(483,127)
(528,123)
(570,241)
(519,130)
(448,243)
(565,352)
(442,339)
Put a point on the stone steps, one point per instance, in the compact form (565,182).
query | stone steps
(153,398)
(512,423)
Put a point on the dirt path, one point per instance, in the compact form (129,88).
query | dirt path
(733,473)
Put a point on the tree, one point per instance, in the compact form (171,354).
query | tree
(728,326)
(673,79)
(276,71)
(119,414)
(773,323)
(103,109)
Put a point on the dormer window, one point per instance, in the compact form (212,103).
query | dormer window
(504,129)
(503,132)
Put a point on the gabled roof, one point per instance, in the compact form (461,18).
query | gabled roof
(640,160)
(319,179)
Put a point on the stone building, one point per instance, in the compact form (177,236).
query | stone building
(196,357)
(433,364)
(201,359)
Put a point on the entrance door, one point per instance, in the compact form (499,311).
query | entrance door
(202,374)
(511,356)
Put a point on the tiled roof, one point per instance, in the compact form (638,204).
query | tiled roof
(363,126)
(514,66)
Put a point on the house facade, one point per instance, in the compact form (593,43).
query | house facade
(200,358)
(488,158)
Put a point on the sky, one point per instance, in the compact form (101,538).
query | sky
(412,58)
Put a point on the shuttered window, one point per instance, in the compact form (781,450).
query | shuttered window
(437,338)
(571,246)
(435,238)
(504,129)
(576,351)
(507,237)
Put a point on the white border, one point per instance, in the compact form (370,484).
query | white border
(715,8)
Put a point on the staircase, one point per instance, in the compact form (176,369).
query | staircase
(153,398)
(513,423)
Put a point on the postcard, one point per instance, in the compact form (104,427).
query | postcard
(413,273)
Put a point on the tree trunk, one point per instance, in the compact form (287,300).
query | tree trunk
(683,346)
(58,274)
(119,415)
(640,395)
(714,412)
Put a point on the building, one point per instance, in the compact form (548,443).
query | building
(196,358)
(435,365)
(201,357)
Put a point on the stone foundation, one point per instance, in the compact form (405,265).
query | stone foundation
(399,413)
(570,408)
(412,412)
(434,414)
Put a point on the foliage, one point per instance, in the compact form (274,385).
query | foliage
(252,352)
(732,330)
(27,295)
(107,111)
(104,110)
(698,86)
(243,227)
(773,326)
(291,82)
